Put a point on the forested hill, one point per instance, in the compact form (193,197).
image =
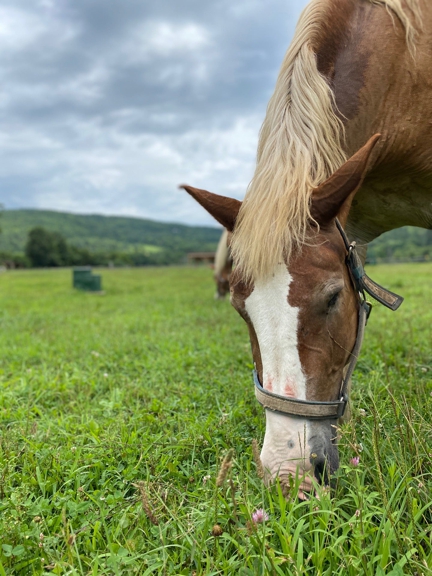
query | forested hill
(108,234)
(404,244)
(104,233)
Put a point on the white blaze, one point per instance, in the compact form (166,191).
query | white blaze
(275,322)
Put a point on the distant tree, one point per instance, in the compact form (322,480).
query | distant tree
(61,250)
(39,247)
(44,248)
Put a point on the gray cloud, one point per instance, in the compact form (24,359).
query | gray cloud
(107,105)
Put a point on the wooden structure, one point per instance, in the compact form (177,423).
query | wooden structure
(201,257)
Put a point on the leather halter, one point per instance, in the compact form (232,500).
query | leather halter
(314,410)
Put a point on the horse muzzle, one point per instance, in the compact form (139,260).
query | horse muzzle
(298,451)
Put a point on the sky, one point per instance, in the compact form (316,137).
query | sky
(107,105)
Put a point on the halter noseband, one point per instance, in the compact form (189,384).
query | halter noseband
(314,410)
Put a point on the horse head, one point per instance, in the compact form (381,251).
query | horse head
(222,285)
(303,320)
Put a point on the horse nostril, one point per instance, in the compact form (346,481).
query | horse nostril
(321,467)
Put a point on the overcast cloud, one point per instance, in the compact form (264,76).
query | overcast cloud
(107,105)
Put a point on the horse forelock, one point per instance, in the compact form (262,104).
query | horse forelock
(300,142)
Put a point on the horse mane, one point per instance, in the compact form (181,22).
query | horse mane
(300,146)
(222,253)
(396,6)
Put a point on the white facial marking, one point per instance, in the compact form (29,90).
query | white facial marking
(275,322)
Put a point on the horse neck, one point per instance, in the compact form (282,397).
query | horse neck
(381,86)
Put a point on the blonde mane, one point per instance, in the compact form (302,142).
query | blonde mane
(300,146)
(397,7)
(222,254)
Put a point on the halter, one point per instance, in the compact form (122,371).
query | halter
(314,410)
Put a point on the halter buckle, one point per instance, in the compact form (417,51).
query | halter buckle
(361,280)
(368,306)
(342,406)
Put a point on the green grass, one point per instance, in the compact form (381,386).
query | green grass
(117,410)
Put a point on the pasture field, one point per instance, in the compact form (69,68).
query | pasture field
(117,411)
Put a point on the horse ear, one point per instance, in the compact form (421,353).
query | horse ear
(333,198)
(223,209)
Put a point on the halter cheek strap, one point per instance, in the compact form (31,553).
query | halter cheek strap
(314,410)
(361,280)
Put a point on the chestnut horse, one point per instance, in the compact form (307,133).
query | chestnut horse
(222,267)
(346,145)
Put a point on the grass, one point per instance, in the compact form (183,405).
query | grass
(117,411)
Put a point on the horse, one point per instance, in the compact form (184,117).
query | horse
(222,267)
(344,155)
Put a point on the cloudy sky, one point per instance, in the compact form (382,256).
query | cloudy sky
(107,105)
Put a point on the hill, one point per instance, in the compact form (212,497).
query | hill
(106,233)
(126,235)
(404,244)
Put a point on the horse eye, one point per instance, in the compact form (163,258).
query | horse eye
(333,300)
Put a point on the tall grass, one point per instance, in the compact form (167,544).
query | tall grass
(117,413)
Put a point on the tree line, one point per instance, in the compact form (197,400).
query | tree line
(45,248)
(403,244)
(50,249)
